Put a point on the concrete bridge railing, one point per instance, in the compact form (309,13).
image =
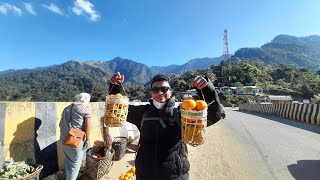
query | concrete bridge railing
(308,113)
(30,130)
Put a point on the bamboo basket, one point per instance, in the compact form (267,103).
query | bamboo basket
(193,124)
(116,110)
(34,175)
(98,167)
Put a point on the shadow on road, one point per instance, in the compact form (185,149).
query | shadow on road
(305,169)
(302,125)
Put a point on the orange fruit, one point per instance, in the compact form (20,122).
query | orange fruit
(109,119)
(197,137)
(121,177)
(185,120)
(201,105)
(188,103)
(200,126)
(199,141)
(133,170)
(119,94)
(186,137)
(193,130)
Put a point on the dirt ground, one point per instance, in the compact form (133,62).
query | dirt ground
(218,158)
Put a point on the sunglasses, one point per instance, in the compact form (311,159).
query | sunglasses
(158,89)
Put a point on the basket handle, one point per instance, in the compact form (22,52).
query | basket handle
(110,166)
(39,167)
(205,99)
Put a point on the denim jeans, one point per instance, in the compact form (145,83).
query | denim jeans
(73,160)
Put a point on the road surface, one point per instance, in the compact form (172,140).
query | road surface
(250,147)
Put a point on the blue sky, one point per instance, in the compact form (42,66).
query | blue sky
(163,32)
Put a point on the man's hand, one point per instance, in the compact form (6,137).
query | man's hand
(117,79)
(199,82)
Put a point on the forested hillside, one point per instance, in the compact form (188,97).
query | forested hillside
(302,52)
(58,83)
(62,82)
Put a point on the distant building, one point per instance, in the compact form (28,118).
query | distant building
(244,90)
(274,99)
(227,90)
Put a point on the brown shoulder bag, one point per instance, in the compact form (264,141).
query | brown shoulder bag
(74,136)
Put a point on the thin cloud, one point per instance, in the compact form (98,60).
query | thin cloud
(54,8)
(5,8)
(29,8)
(84,7)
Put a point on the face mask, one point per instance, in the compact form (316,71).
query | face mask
(158,105)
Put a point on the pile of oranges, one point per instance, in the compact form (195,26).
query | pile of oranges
(192,128)
(129,174)
(190,104)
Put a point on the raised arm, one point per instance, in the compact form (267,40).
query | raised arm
(204,86)
(115,85)
(135,113)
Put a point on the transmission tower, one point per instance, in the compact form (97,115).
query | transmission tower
(226,70)
(226,49)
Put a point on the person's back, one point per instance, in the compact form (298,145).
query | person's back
(74,118)
(77,115)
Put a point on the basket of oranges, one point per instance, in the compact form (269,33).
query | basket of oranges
(116,110)
(193,120)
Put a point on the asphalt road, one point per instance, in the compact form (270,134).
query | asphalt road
(276,148)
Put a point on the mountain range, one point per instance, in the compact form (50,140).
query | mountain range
(135,73)
(302,52)
(60,82)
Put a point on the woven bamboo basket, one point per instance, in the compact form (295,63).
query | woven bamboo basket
(98,167)
(116,110)
(119,145)
(35,175)
(193,124)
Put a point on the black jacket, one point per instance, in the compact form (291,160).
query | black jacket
(161,155)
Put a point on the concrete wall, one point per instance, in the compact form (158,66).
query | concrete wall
(308,113)
(30,130)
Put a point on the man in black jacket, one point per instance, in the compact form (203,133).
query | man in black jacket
(162,153)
